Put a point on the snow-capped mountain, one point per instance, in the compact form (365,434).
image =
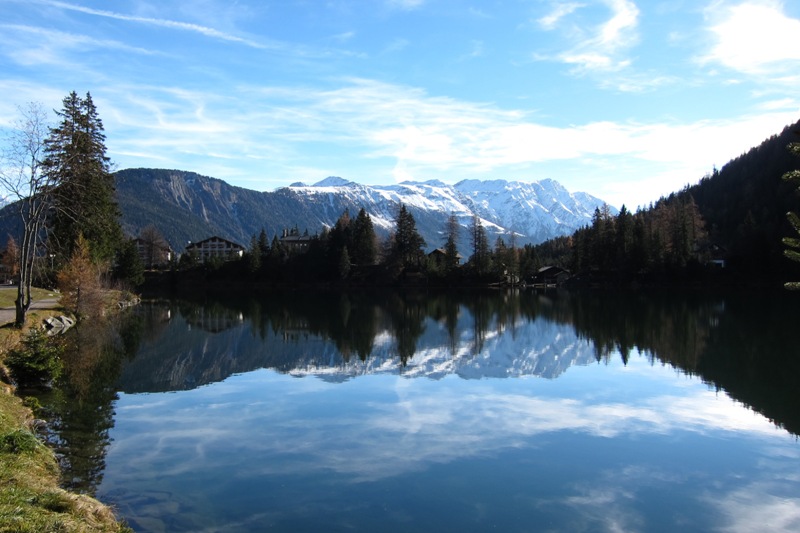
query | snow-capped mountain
(187,206)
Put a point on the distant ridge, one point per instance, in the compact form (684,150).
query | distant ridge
(186,206)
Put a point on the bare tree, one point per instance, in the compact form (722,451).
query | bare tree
(155,246)
(30,189)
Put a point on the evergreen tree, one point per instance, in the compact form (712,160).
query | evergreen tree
(451,245)
(76,161)
(408,243)
(364,243)
(254,255)
(129,266)
(481,260)
(263,244)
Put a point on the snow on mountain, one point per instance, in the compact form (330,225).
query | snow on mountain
(539,348)
(533,211)
(186,206)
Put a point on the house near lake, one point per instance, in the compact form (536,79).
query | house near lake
(215,247)
(549,276)
(438,257)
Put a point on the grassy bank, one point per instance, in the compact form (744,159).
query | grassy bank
(30,497)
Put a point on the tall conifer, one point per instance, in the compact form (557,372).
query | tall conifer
(75,158)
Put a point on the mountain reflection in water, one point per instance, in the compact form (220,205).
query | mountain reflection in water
(740,343)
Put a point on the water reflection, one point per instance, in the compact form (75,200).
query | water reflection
(742,344)
(80,410)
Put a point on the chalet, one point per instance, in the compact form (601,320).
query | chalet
(550,276)
(439,254)
(293,241)
(215,247)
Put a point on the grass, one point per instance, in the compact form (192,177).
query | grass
(9,294)
(30,497)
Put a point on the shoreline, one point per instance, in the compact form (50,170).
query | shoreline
(31,498)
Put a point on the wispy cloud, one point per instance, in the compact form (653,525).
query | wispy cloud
(165,23)
(754,37)
(399,129)
(602,51)
(594,48)
(42,43)
(560,10)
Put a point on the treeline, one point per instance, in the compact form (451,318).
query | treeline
(667,239)
(730,226)
(350,253)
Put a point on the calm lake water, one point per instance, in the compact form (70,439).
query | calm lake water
(467,411)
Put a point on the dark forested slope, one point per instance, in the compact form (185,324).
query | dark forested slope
(744,206)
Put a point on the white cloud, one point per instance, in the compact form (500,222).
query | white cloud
(758,507)
(560,10)
(403,130)
(754,37)
(602,47)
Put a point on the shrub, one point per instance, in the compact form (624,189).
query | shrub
(37,361)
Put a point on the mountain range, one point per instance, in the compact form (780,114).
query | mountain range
(186,206)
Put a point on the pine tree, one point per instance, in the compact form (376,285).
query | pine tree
(364,243)
(408,243)
(253,255)
(129,267)
(481,259)
(451,245)
(76,161)
(263,244)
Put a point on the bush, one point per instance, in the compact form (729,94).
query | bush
(37,361)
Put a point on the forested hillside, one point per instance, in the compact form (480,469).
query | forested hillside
(744,205)
(729,225)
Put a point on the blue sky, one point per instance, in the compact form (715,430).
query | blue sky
(624,99)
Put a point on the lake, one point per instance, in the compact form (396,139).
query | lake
(509,411)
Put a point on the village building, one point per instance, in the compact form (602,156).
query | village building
(438,257)
(215,247)
(549,276)
(293,241)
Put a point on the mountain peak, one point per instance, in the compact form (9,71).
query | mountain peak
(211,207)
(333,181)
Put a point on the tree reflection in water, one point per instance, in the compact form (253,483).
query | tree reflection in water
(740,343)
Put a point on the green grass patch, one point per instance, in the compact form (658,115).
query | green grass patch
(8,295)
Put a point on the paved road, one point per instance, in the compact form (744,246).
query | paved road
(8,314)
